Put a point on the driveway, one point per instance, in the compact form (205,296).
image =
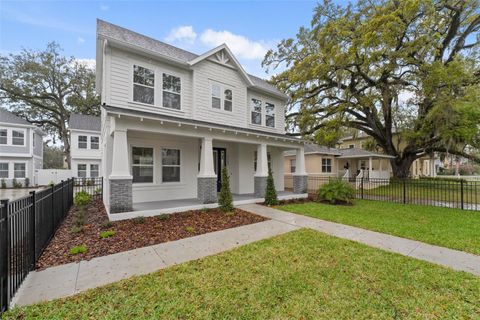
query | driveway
(13,194)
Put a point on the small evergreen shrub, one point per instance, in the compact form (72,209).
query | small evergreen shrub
(107,234)
(139,220)
(82,198)
(163,216)
(4,184)
(189,229)
(51,184)
(16,184)
(107,224)
(225,199)
(76,229)
(270,192)
(336,192)
(78,249)
(27,182)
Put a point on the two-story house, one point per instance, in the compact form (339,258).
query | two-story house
(85,146)
(21,149)
(172,119)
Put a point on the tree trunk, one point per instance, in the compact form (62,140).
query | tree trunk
(401,166)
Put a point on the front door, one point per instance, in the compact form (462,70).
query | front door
(219,161)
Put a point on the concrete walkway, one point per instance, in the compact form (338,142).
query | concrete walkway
(457,260)
(72,278)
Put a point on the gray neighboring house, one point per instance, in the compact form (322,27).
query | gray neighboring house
(21,149)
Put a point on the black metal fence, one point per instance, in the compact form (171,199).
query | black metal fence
(450,193)
(93,186)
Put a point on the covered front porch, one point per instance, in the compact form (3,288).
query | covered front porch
(356,164)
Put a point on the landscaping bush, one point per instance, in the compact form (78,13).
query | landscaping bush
(270,192)
(82,198)
(4,184)
(336,192)
(225,199)
(16,184)
(190,229)
(78,249)
(107,234)
(164,216)
(139,220)
(27,182)
(107,224)
(51,184)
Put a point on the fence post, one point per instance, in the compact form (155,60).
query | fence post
(461,194)
(33,225)
(404,191)
(361,186)
(63,190)
(4,253)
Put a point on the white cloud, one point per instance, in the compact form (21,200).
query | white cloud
(80,40)
(240,45)
(89,63)
(182,33)
(104,7)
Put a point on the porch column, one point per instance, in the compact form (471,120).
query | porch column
(432,166)
(300,178)
(120,178)
(206,178)
(261,174)
(380,164)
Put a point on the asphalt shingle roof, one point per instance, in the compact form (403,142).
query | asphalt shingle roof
(8,117)
(315,148)
(359,153)
(84,122)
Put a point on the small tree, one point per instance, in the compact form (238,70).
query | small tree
(225,200)
(270,192)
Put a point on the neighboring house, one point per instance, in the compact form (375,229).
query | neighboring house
(85,146)
(21,149)
(172,119)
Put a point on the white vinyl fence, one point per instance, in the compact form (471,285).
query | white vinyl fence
(46,176)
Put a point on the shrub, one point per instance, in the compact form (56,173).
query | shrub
(139,220)
(27,182)
(336,191)
(76,229)
(78,249)
(107,224)
(4,184)
(225,200)
(16,184)
(270,192)
(107,234)
(80,218)
(163,216)
(189,229)
(82,199)
(51,184)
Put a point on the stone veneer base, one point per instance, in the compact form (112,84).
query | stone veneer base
(207,189)
(260,185)
(120,195)
(300,184)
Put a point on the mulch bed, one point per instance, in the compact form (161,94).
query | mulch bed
(133,233)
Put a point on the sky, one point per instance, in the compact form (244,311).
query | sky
(249,28)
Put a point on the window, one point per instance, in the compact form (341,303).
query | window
(256,111)
(94,170)
(227,103)
(171,91)
(269,161)
(170,165)
(351,146)
(3,136)
(19,170)
(326,165)
(18,138)
(216,96)
(143,85)
(82,170)
(142,164)
(293,163)
(270,115)
(82,142)
(94,142)
(4,170)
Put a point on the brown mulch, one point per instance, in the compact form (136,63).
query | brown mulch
(133,233)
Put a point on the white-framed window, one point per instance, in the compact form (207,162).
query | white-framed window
(256,111)
(82,170)
(222,97)
(93,170)
(255,156)
(293,164)
(142,164)
(18,137)
(170,165)
(94,142)
(19,170)
(172,89)
(351,146)
(3,136)
(82,142)
(3,169)
(269,114)
(227,99)
(216,96)
(326,165)
(143,85)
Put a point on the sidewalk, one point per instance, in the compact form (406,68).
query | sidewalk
(457,260)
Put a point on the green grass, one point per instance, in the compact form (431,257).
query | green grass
(451,228)
(302,274)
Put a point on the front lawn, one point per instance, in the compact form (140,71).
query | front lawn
(451,228)
(302,275)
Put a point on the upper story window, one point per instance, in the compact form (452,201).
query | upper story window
(143,85)
(256,108)
(172,88)
(227,102)
(270,114)
(18,138)
(222,97)
(94,142)
(3,136)
(326,165)
(216,96)
(82,142)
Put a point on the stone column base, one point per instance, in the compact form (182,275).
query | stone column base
(207,189)
(260,185)
(120,195)
(300,184)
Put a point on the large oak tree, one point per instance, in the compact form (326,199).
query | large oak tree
(409,68)
(45,87)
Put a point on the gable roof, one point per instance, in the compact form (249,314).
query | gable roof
(125,36)
(84,122)
(361,153)
(347,153)
(8,117)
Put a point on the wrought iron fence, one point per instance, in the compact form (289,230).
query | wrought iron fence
(93,186)
(439,192)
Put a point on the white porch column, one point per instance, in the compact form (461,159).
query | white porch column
(261,174)
(370,166)
(300,178)
(206,178)
(120,179)
(380,164)
(432,166)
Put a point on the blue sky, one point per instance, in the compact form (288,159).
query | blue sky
(248,27)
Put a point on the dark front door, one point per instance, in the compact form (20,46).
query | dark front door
(219,161)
